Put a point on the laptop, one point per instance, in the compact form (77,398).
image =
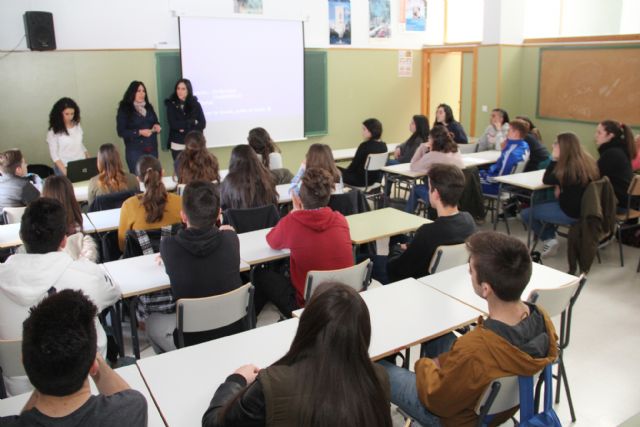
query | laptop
(82,170)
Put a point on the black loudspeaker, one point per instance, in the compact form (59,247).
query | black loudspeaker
(39,30)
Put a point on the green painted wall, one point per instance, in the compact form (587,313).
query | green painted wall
(487,94)
(511,80)
(362,84)
(465,93)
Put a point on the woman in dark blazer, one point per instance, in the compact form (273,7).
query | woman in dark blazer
(137,124)
(184,114)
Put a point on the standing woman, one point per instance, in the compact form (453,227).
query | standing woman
(617,149)
(65,135)
(137,124)
(184,114)
(249,183)
(195,162)
(570,171)
(444,116)
(419,128)
(111,176)
(354,174)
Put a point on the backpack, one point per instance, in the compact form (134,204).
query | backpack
(546,418)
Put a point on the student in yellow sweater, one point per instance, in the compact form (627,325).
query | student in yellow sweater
(154,208)
(517,338)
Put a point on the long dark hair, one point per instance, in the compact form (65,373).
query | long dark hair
(188,102)
(621,134)
(249,183)
(422,127)
(56,122)
(442,140)
(575,165)
(261,142)
(332,341)
(320,156)
(196,163)
(448,114)
(154,198)
(61,189)
(126,104)
(374,126)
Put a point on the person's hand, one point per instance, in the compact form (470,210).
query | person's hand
(556,191)
(145,132)
(397,153)
(436,361)
(156,128)
(249,372)
(403,246)
(159,260)
(226,227)
(63,170)
(297,203)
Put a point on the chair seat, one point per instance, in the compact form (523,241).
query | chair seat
(633,214)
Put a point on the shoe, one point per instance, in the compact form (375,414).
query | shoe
(550,248)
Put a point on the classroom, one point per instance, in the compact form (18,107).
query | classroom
(367,70)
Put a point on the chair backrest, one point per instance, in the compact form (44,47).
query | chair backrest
(556,300)
(11,358)
(145,242)
(357,276)
(502,394)
(204,314)
(245,220)
(376,161)
(110,201)
(448,256)
(634,187)
(13,215)
(519,168)
(180,189)
(468,148)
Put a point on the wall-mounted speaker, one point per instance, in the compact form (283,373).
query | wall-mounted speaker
(39,30)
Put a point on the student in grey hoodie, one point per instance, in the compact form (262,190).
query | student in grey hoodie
(16,188)
(25,279)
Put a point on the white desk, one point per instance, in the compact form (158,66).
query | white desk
(131,374)
(81,189)
(102,221)
(284,196)
(373,225)
(456,282)
(481,158)
(254,248)
(403,169)
(343,154)
(183,381)
(10,235)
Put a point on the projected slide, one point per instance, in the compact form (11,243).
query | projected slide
(245,73)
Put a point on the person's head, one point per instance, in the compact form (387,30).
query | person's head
(200,204)
(419,127)
(332,341)
(444,114)
(440,139)
(616,132)
(531,127)
(111,175)
(183,90)
(43,226)
(249,183)
(575,165)
(499,265)
(316,187)
(12,162)
(371,129)
(196,163)
(518,129)
(446,184)
(60,188)
(261,142)
(64,114)
(499,115)
(321,156)
(136,92)
(154,198)
(59,343)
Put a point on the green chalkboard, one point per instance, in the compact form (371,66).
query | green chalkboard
(168,71)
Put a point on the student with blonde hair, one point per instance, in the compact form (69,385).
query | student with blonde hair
(111,176)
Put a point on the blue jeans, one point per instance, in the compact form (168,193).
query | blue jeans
(435,347)
(418,191)
(550,213)
(404,394)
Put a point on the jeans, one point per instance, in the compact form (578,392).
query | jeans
(404,394)
(159,328)
(273,286)
(418,191)
(435,347)
(550,213)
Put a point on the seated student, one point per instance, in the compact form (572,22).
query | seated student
(16,189)
(195,162)
(354,174)
(318,238)
(514,150)
(446,183)
(78,244)
(419,128)
(325,379)
(539,157)
(617,149)
(319,156)
(267,151)
(201,261)
(495,134)
(571,170)
(59,355)
(444,116)
(249,183)
(27,278)
(111,176)
(154,208)
(635,163)
(439,148)
(517,338)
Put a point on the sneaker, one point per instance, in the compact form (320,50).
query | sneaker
(550,248)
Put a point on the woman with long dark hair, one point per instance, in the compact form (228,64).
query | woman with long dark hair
(261,142)
(354,174)
(184,114)
(111,176)
(325,379)
(419,128)
(444,116)
(249,183)
(195,162)
(137,124)
(65,135)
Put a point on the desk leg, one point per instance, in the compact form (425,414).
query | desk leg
(533,193)
(117,328)
(497,209)
(134,327)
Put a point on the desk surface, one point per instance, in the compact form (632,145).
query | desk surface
(10,235)
(456,282)
(349,153)
(403,169)
(481,158)
(183,381)
(254,248)
(13,405)
(527,180)
(284,196)
(102,221)
(373,225)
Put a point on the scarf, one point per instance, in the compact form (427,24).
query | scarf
(139,106)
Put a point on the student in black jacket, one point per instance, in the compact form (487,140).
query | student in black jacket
(184,114)
(617,149)
(444,116)
(354,173)
(539,156)
(201,261)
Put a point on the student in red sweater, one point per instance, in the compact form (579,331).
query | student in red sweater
(318,238)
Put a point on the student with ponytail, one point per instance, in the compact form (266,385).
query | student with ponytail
(196,163)
(154,208)
(617,149)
